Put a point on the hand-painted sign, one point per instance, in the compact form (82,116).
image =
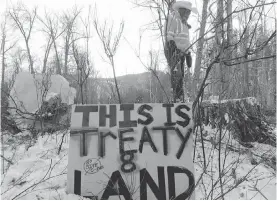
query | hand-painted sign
(131,151)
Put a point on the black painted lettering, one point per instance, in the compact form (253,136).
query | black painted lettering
(146,137)
(171,171)
(124,152)
(128,162)
(103,115)
(183,139)
(185,116)
(145,178)
(83,138)
(83,145)
(86,109)
(122,139)
(164,132)
(127,122)
(77,182)
(141,111)
(168,107)
(101,142)
(116,186)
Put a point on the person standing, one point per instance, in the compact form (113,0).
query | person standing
(178,43)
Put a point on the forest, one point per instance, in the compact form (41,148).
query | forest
(231,87)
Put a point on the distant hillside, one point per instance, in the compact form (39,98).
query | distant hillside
(142,87)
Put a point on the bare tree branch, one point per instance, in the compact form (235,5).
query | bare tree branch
(110,44)
(22,16)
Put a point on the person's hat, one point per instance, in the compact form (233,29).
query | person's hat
(184,4)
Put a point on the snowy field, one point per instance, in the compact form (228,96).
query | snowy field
(37,170)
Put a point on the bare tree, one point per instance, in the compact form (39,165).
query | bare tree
(87,34)
(24,20)
(46,54)
(68,20)
(51,25)
(3,42)
(83,70)
(200,46)
(110,44)
(245,66)
(229,52)
(4,50)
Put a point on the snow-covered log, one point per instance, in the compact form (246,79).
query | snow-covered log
(243,117)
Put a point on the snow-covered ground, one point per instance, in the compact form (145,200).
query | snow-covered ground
(246,173)
(39,172)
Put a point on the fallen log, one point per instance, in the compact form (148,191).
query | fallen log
(242,117)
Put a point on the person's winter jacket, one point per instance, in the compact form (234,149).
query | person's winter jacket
(177,31)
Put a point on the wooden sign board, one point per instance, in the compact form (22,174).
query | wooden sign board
(131,151)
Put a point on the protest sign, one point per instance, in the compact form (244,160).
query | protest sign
(131,151)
